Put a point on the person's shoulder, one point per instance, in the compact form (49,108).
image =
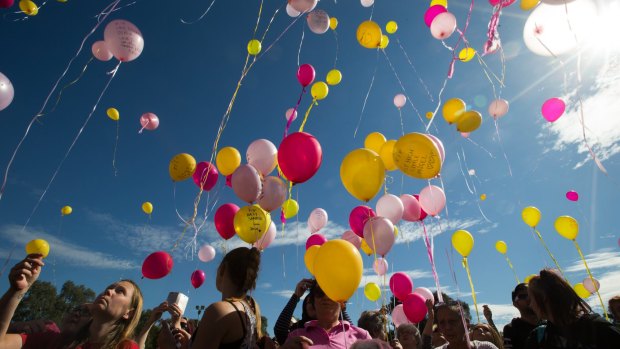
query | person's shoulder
(483,345)
(360,333)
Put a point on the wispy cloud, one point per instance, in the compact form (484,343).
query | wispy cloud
(502,313)
(283,293)
(604,266)
(598,260)
(413,231)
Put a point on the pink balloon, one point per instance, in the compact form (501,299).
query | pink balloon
(401,285)
(124,40)
(205,175)
(6,3)
(317,220)
(291,112)
(426,293)
(398,316)
(229,180)
(318,21)
(572,195)
(351,237)
(157,265)
(305,74)
(552,109)
(101,52)
(400,100)
(315,239)
(592,287)
(423,213)
(262,154)
(504,3)
(432,199)
(415,307)
(6,91)
(149,121)
(224,220)
(299,156)
(439,144)
(465,134)
(412,211)
(246,183)
(273,194)
(291,11)
(443,25)
(391,207)
(380,266)
(303,5)
(379,235)
(432,12)
(267,238)
(197,278)
(498,108)
(358,218)
(206,253)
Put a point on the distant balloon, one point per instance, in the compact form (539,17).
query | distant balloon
(149,121)
(157,265)
(147,207)
(318,21)
(6,92)
(291,113)
(206,253)
(400,100)
(291,11)
(66,210)
(124,40)
(443,26)
(303,5)
(6,3)
(553,108)
(367,3)
(432,12)
(113,114)
(498,108)
(305,74)
(572,195)
(101,52)
(197,278)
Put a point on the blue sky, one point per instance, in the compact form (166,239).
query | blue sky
(187,74)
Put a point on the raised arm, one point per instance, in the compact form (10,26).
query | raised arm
(155,315)
(281,328)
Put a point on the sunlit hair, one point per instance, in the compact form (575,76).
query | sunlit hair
(454,306)
(374,322)
(497,339)
(556,298)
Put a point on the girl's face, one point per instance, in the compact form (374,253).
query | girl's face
(115,302)
(481,332)
(450,325)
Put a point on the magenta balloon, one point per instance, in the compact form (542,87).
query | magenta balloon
(398,316)
(443,25)
(317,220)
(412,211)
(432,199)
(353,238)
(273,194)
(379,235)
(246,183)
(358,218)
(101,52)
(224,220)
(380,266)
(157,265)
(267,238)
(6,91)
(206,175)
(6,3)
(149,121)
(401,285)
(439,144)
(315,239)
(197,278)
(426,293)
(391,207)
(415,307)
(552,109)
(432,12)
(299,156)
(206,253)
(124,40)
(423,213)
(305,74)
(572,195)
(229,180)
(504,3)
(262,154)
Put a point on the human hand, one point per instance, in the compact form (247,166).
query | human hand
(487,313)
(158,311)
(26,272)
(297,343)
(429,308)
(175,315)
(181,337)
(302,286)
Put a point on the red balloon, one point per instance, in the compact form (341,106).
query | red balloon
(423,214)
(315,239)
(197,278)
(415,307)
(299,156)
(157,265)
(401,285)
(224,220)
(206,175)
(572,195)
(305,74)
(229,180)
(358,218)
(6,3)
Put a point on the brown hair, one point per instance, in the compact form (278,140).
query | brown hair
(497,339)
(242,266)
(374,322)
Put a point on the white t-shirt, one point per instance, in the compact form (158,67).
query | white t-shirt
(474,344)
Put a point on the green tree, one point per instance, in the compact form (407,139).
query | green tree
(72,295)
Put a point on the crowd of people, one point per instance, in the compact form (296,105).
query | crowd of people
(552,315)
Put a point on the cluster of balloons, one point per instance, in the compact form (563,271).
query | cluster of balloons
(6,92)
(121,40)
(413,307)
(442,23)
(38,246)
(454,111)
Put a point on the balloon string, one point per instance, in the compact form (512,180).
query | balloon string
(513,269)
(458,291)
(303,32)
(290,119)
(481,147)
(144,126)
(402,126)
(549,252)
(471,284)
(402,87)
(431,259)
(591,279)
(337,47)
(501,145)
(199,18)
(463,173)
(68,85)
(428,92)
(115,148)
(303,124)
(372,81)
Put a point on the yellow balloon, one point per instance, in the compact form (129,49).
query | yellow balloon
(581,291)
(529,278)
(501,247)
(374,141)
(417,156)
(386,153)
(310,256)
(319,90)
(467,54)
(290,208)
(385,41)
(334,77)
(372,291)
(29,7)
(38,246)
(227,160)
(251,222)
(113,114)
(66,210)
(429,114)
(364,246)
(338,269)
(469,121)
(395,231)
(254,47)
(531,216)
(369,34)
(483,197)
(333,23)
(527,5)
(362,173)
(453,109)
(443,3)
(391,27)
(463,242)
(147,207)
(182,166)
(567,226)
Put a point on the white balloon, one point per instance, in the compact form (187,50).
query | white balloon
(6,91)
(443,25)
(291,11)
(592,287)
(206,253)
(291,112)
(367,3)
(498,108)
(400,100)
(303,5)
(124,40)
(318,21)
(391,207)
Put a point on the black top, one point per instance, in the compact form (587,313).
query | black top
(516,332)
(590,331)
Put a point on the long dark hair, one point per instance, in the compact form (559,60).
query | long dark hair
(242,266)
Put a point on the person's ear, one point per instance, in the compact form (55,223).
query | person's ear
(129,314)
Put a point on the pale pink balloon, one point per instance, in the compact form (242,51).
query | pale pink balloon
(358,218)
(197,278)
(425,292)
(443,26)
(380,266)
(572,195)
(262,154)
(206,253)
(273,195)
(465,134)
(315,239)
(291,11)
(379,235)
(498,108)
(367,3)
(317,220)
(432,12)
(399,317)
(353,238)
(303,5)
(432,199)
(391,207)
(592,287)
(6,91)
(412,210)
(553,108)
(246,183)
(439,144)
(267,238)
(400,100)
(318,21)
(124,40)
(149,121)
(290,112)
(101,52)
(401,285)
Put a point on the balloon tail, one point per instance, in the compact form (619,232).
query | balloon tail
(513,269)
(493,41)
(290,120)
(549,252)
(372,81)
(402,126)
(471,284)
(591,279)
(303,33)
(199,18)
(431,259)
(428,93)
(337,47)
(402,87)
(303,123)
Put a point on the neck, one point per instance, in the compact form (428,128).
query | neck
(228,292)
(98,331)
(327,324)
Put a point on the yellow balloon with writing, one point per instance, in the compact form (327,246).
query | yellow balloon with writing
(338,269)
(66,210)
(386,154)
(251,222)
(581,291)
(113,114)
(567,227)
(531,216)
(453,109)
(334,77)
(38,246)
(369,34)
(469,121)
(310,256)
(463,242)
(182,166)
(374,141)
(362,173)
(147,207)
(290,208)
(227,160)
(417,156)
(372,291)
(501,247)
(319,90)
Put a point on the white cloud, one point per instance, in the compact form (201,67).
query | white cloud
(598,260)
(502,313)
(283,293)
(413,231)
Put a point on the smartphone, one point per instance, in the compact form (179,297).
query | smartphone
(179,299)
